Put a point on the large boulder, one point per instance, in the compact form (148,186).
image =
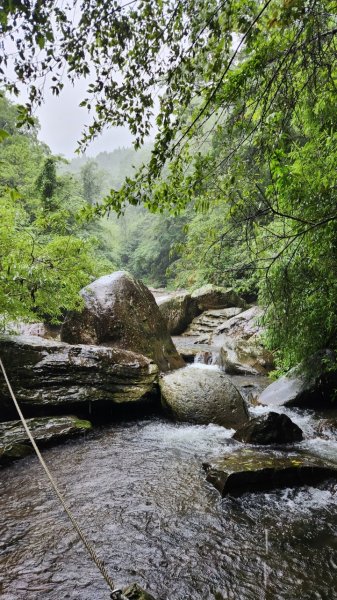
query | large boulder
(46,372)
(120,311)
(311,386)
(245,357)
(203,395)
(272,428)
(178,311)
(249,470)
(212,296)
(14,442)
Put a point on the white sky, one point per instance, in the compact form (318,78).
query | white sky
(62,120)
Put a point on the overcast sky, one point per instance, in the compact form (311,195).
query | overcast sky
(62,120)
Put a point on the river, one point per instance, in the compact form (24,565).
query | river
(139,491)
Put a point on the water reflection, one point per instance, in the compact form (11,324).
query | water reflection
(139,492)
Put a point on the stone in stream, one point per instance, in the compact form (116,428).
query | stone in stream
(248,470)
(310,387)
(135,592)
(202,395)
(46,372)
(120,311)
(272,428)
(245,357)
(178,311)
(15,444)
(212,296)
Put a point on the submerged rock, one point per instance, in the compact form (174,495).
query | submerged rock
(135,592)
(120,311)
(250,470)
(15,444)
(212,296)
(178,311)
(271,428)
(46,372)
(203,395)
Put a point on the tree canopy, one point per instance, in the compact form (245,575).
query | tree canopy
(243,95)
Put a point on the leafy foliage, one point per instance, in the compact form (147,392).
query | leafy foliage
(45,254)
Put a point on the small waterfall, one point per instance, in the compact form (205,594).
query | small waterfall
(207,357)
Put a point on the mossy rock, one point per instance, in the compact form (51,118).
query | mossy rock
(14,443)
(250,470)
(135,592)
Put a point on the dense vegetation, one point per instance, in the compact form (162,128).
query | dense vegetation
(46,254)
(246,147)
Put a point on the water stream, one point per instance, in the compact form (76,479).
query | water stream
(140,493)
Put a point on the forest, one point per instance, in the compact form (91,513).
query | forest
(168,310)
(237,189)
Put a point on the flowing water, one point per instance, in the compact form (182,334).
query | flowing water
(140,493)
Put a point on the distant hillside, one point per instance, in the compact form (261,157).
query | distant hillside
(113,166)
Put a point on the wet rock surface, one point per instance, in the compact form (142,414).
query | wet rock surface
(120,311)
(202,395)
(15,444)
(245,325)
(309,387)
(206,324)
(45,372)
(245,357)
(249,470)
(213,297)
(135,592)
(178,311)
(271,428)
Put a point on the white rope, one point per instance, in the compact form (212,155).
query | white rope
(87,544)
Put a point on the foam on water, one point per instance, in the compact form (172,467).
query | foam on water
(199,365)
(199,439)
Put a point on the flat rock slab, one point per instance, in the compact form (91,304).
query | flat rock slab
(14,442)
(46,372)
(249,470)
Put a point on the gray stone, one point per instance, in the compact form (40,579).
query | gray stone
(248,470)
(209,321)
(202,395)
(120,311)
(272,428)
(135,592)
(14,442)
(46,372)
(212,297)
(178,311)
(245,325)
(245,357)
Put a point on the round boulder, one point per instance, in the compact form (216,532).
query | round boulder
(120,311)
(203,395)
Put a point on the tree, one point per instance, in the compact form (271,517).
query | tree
(46,255)
(246,120)
(91,182)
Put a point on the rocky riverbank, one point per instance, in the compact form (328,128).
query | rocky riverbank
(118,352)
